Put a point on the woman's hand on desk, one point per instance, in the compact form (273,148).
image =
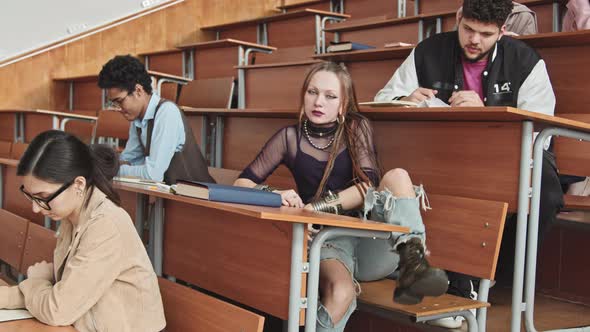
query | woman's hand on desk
(290,198)
(42,270)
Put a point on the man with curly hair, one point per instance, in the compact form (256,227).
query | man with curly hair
(478,65)
(161,144)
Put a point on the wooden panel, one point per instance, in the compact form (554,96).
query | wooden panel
(36,124)
(39,246)
(87,96)
(544,13)
(274,87)
(18,149)
(286,55)
(7,127)
(473,226)
(369,8)
(574,274)
(573,156)
(15,201)
(83,130)
(468,159)
(12,237)
(378,37)
(207,93)
(236,154)
(371,76)
(319,5)
(243,33)
(280,33)
(189,310)
(5,147)
(577,202)
(548,259)
(196,123)
(449,23)
(568,75)
(112,124)
(229,254)
(170,63)
(428,7)
(216,62)
(128,202)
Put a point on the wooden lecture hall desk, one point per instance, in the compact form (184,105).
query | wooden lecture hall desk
(252,254)
(476,152)
(30,325)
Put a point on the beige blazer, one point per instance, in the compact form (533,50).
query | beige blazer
(104,278)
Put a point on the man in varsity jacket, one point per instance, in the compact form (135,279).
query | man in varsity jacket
(478,66)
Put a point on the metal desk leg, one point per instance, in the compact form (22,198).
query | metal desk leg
(297,269)
(482,295)
(158,237)
(314,266)
(533,230)
(523,209)
(140,205)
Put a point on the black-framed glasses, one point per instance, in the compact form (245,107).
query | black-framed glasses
(117,102)
(44,202)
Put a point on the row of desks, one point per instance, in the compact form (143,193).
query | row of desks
(278,233)
(60,119)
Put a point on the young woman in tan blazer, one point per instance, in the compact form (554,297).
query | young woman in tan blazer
(101,278)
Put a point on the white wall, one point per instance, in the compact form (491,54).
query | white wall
(29,24)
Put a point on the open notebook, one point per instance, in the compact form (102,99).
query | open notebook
(7,315)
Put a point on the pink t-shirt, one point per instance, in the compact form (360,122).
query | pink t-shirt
(577,16)
(472,76)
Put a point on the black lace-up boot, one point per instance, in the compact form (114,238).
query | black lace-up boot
(417,278)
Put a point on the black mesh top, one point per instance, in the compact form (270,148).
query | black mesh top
(291,147)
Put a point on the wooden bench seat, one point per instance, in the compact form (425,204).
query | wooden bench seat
(188,310)
(379,294)
(463,235)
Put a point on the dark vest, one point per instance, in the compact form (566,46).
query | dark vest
(438,66)
(188,164)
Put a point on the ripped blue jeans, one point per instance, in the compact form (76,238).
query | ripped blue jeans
(373,259)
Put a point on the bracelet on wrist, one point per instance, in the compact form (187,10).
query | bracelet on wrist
(264,187)
(326,204)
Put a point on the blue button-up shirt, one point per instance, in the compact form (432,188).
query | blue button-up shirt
(167,139)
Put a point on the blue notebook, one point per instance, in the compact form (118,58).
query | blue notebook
(228,194)
(347,46)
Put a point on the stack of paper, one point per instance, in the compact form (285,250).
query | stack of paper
(7,315)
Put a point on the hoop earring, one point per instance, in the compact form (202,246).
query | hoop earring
(340,119)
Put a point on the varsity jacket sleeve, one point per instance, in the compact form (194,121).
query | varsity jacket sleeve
(535,93)
(403,82)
